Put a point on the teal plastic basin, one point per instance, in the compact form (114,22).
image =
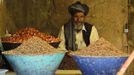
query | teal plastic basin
(35,64)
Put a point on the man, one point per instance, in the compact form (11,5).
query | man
(76,33)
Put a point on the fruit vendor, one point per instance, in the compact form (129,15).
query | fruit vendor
(76,33)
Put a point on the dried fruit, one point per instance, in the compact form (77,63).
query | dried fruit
(27,33)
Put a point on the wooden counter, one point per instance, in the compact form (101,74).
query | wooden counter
(58,72)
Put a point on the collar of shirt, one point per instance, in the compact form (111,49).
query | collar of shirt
(83,28)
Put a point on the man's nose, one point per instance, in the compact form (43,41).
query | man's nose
(79,19)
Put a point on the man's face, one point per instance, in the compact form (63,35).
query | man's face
(79,18)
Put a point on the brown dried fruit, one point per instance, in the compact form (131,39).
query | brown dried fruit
(27,33)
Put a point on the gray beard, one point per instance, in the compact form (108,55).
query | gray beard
(78,27)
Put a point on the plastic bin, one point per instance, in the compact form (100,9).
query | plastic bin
(99,65)
(35,64)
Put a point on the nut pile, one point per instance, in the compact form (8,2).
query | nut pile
(101,48)
(26,33)
(33,46)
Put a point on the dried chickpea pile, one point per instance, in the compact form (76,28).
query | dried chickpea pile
(26,33)
(101,48)
(33,46)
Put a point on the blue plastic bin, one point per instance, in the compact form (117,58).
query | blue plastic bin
(35,64)
(99,65)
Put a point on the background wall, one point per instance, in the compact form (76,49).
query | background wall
(109,17)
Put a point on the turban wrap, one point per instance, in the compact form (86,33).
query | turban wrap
(78,7)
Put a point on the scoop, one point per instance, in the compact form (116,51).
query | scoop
(126,64)
(3,71)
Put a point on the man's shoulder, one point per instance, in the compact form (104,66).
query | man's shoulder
(67,24)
